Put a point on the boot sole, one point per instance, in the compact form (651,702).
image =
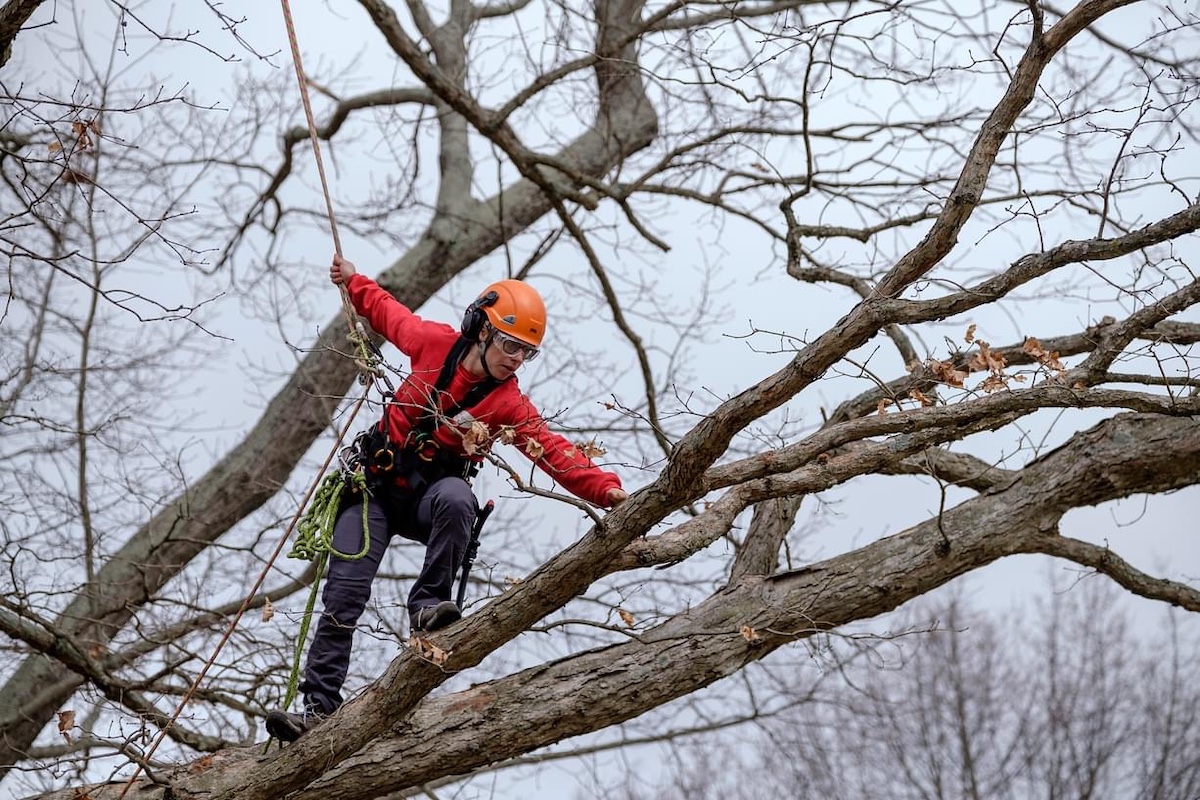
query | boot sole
(282,728)
(443,615)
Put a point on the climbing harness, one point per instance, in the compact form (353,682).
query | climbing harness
(421,451)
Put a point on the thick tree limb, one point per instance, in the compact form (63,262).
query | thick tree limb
(13,15)
(740,624)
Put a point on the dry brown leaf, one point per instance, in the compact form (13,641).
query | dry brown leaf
(507,434)
(428,650)
(970,335)
(922,398)
(881,407)
(987,360)
(66,721)
(1033,348)
(80,130)
(512,580)
(476,437)
(749,634)
(534,450)
(591,450)
(268,610)
(994,383)
(55,146)
(75,176)
(626,617)
(945,372)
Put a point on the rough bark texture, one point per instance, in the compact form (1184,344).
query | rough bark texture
(13,15)
(745,622)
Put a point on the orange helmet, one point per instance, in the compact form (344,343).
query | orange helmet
(512,307)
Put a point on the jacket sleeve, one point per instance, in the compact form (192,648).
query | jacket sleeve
(388,316)
(558,458)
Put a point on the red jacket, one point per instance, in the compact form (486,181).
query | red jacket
(506,410)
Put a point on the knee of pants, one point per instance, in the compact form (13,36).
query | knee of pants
(345,599)
(452,502)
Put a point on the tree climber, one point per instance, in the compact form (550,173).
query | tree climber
(460,397)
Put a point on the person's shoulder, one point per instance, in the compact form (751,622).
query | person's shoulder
(434,339)
(443,333)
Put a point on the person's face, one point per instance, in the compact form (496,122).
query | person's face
(505,355)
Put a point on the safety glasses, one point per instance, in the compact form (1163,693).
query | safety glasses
(512,347)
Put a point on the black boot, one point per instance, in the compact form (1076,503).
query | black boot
(288,727)
(432,618)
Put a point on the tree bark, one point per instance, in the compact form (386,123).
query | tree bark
(13,15)
(742,623)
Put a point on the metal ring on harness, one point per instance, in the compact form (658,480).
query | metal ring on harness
(428,450)
(378,462)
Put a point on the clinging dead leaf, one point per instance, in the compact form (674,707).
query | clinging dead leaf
(268,610)
(922,398)
(749,634)
(1033,348)
(945,372)
(428,650)
(987,360)
(534,450)
(994,383)
(970,335)
(591,450)
(626,617)
(476,437)
(76,176)
(66,721)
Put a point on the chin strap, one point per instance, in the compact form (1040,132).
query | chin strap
(483,359)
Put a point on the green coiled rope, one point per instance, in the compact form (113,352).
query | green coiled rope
(314,542)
